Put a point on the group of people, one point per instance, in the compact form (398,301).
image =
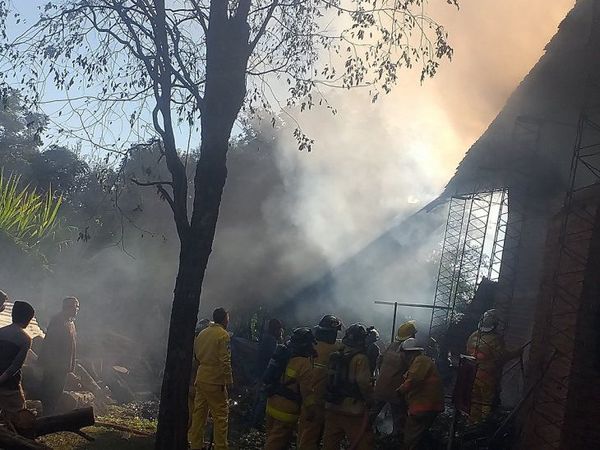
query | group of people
(323,389)
(330,391)
(56,358)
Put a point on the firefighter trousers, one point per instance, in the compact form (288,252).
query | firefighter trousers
(415,429)
(279,434)
(310,431)
(356,428)
(209,398)
(482,399)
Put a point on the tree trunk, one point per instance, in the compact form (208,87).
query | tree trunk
(225,88)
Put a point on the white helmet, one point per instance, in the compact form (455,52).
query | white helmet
(411,345)
(489,321)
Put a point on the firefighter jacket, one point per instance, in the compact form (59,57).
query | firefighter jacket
(213,353)
(393,365)
(319,374)
(294,391)
(423,387)
(359,379)
(490,353)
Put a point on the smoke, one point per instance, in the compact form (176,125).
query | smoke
(373,165)
(289,217)
(374,162)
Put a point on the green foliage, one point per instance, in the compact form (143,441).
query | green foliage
(26,216)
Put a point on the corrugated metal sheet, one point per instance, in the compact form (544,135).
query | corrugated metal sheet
(33,330)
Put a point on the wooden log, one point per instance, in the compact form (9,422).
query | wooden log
(71,421)
(89,384)
(70,400)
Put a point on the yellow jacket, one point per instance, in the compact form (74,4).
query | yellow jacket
(320,362)
(213,353)
(392,367)
(297,378)
(359,373)
(490,353)
(423,387)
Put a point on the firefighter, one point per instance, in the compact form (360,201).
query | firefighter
(372,350)
(486,345)
(200,326)
(213,354)
(424,393)
(288,385)
(349,394)
(312,420)
(267,345)
(392,367)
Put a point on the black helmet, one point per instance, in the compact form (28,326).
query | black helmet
(330,323)
(355,335)
(302,338)
(372,336)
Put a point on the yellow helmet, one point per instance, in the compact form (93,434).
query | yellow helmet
(406,330)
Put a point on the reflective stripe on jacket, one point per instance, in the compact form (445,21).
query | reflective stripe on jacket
(213,353)
(297,377)
(423,387)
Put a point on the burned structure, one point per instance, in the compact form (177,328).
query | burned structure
(544,148)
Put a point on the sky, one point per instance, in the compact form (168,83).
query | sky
(373,164)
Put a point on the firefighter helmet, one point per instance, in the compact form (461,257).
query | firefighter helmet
(355,336)
(411,345)
(406,330)
(489,321)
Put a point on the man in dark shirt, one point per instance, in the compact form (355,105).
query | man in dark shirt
(268,344)
(14,345)
(266,347)
(58,353)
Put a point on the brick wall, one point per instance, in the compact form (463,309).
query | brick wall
(563,371)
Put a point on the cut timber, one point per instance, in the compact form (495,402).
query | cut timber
(70,401)
(13,441)
(71,421)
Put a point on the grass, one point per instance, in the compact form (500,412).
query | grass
(107,437)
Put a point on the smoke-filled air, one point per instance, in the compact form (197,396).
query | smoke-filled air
(326,224)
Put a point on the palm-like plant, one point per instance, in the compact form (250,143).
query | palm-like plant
(26,216)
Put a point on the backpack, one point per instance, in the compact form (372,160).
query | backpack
(339,385)
(273,375)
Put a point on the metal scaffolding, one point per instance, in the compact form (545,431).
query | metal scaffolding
(551,401)
(473,246)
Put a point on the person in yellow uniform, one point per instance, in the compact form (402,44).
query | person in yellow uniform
(312,421)
(213,354)
(288,383)
(487,346)
(424,393)
(393,365)
(349,394)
